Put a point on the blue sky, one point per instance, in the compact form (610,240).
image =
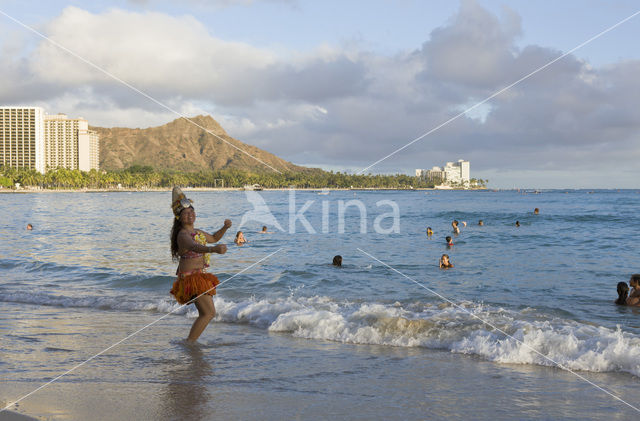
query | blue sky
(343,84)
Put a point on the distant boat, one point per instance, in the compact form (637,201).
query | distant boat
(443,187)
(324,192)
(253,187)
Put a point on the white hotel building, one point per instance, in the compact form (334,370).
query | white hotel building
(70,144)
(22,137)
(29,138)
(452,172)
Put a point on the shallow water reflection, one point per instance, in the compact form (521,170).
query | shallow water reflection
(188,394)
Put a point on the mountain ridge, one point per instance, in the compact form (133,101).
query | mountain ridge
(182,145)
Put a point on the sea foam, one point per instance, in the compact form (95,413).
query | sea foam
(496,334)
(521,339)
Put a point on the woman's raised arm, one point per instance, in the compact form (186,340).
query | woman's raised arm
(216,236)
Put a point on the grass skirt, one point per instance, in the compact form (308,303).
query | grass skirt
(187,287)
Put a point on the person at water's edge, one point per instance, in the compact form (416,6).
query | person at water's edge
(189,247)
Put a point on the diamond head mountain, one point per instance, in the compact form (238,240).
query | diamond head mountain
(183,146)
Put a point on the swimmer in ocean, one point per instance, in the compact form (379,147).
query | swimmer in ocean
(429,231)
(481,222)
(536,211)
(240,238)
(449,241)
(517,223)
(337,260)
(623,292)
(634,296)
(444,262)
(454,224)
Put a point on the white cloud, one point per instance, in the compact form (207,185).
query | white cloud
(166,56)
(148,50)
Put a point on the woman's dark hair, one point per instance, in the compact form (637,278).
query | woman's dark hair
(337,260)
(447,238)
(623,291)
(175,229)
(635,278)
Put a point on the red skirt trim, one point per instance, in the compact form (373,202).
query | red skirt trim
(187,287)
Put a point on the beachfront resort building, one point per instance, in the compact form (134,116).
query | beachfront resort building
(451,173)
(29,138)
(22,137)
(69,143)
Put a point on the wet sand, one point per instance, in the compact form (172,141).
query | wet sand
(15,416)
(242,372)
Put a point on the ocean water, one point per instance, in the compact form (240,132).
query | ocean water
(97,268)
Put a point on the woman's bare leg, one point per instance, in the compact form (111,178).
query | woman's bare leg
(207,311)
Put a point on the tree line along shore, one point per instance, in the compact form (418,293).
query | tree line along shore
(145,177)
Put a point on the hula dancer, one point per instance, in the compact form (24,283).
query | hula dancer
(189,248)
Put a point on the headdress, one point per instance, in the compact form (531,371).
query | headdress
(179,201)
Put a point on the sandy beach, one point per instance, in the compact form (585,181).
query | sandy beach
(239,372)
(16,416)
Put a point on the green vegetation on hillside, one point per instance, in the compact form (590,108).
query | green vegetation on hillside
(141,177)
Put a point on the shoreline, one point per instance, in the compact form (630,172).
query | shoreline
(223,189)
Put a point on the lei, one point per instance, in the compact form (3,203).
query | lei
(200,238)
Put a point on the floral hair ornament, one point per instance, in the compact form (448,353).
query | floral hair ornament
(179,201)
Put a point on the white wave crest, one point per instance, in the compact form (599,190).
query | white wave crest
(570,344)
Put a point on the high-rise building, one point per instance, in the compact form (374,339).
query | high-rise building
(465,170)
(457,172)
(70,144)
(22,137)
(61,142)
(452,172)
(29,138)
(436,174)
(94,151)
